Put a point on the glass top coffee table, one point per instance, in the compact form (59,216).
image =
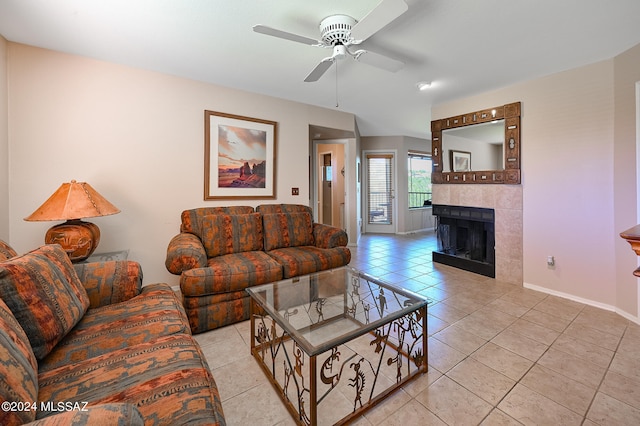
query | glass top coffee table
(335,343)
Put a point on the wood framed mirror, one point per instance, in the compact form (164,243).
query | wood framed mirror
(478,147)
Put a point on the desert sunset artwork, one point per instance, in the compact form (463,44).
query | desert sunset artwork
(242,155)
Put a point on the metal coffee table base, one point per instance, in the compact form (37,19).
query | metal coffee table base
(339,384)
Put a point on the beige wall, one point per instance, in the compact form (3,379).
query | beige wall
(4,144)
(138,138)
(578,155)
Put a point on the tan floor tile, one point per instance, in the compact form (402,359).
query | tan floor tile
(446,312)
(621,388)
(460,339)
(236,377)
(442,356)
(435,293)
(591,335)
(561,389)
(557,306)
(606,321)
(520,344)
(463,303)
(257,406)
(486,323)
(435,324)
(499,418)
(453,403)
(422,382)
(388,407)
(609,411)
(628,366)
(503,361)
(412,413)
(547,320)
(579,369)
(629,345)
(483,381)
(534,331)
(585,350)
(508,307)
(531,408)
(524,297)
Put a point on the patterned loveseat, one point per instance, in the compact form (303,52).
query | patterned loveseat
(221,251)
(86,344)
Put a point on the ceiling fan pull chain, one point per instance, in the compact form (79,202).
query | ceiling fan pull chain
(337,103)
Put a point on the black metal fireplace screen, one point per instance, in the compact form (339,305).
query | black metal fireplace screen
(466,238)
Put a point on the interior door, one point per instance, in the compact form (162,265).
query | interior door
(381,206)
(327,193)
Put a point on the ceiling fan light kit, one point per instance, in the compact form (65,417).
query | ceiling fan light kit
(339,32)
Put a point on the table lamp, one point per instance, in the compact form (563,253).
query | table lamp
(71,202)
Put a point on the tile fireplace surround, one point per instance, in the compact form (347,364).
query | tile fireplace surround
(506,200)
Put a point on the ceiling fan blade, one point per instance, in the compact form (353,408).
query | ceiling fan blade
(319,70)
(381,16)
(263,29)
(379,61)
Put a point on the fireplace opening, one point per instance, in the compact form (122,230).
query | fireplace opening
(466,238)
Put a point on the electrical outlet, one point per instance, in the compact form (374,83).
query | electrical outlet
(295,191)
(551,261)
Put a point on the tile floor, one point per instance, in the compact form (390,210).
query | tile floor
(498,354)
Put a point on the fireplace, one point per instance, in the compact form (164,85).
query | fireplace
(466,238)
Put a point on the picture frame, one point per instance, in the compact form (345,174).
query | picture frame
(460,161)
(239,157)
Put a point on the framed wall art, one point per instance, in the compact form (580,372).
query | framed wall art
(239,157)
(460,161)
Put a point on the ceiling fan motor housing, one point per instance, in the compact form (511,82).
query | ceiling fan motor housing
(336,29)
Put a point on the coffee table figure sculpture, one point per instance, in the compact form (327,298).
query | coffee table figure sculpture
(335,343)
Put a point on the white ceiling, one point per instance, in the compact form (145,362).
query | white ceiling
(464,47)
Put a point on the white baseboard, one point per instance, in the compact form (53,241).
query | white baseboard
(589,302)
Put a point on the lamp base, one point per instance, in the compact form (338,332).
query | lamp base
(79,239)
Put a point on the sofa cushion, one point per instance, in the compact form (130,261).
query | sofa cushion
(18,369)
(155,312)
(231,272)
(167,379)
(308,259)
(6,252)
(225,234)
(287,230)
(191,220)
(45,295)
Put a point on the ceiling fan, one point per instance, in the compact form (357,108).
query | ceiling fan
(341,32)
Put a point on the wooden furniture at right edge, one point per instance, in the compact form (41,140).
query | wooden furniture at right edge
(632,235)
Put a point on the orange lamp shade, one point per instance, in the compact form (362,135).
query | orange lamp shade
(72,202)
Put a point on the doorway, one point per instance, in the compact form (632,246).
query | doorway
(330,183)
(380,185)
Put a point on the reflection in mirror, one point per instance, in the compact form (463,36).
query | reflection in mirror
(474,147)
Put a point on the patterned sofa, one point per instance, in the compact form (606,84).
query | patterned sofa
(221,251)
(86,344)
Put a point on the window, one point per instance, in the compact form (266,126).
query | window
(419,179)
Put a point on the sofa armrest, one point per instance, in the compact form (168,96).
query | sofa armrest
(326,236)
(185,252)
(105,414)
(110,282)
